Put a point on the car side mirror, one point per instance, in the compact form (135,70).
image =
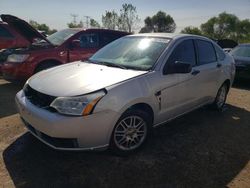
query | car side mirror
(75,44)
(178,67)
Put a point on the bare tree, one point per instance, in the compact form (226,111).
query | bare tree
(110,19)
(128,17)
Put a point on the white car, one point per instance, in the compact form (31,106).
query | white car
(126,88)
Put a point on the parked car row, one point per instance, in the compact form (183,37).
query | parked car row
(25,51)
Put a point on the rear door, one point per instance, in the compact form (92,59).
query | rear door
(209,70)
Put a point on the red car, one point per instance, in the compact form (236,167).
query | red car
(64,46)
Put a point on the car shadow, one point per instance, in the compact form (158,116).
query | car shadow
(242,83)
(7,98)
(201,149)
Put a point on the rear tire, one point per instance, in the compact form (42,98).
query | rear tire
(221,97)
(130,132)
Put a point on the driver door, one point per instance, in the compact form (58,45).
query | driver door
(178,91)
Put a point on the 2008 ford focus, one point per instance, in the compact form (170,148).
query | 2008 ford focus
(126,88)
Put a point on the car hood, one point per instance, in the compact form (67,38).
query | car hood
(23,28)
(79,78)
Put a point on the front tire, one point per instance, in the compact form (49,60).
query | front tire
(130,132)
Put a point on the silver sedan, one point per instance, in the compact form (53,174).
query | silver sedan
(128,87)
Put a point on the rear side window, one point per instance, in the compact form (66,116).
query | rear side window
(206,52)
(89,40)
(5,33)
(220,53)
(106,38)
(184,52)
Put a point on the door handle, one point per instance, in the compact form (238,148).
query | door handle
(195,72)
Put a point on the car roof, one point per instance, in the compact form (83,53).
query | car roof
(170,35)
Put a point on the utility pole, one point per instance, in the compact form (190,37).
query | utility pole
(87,20)
(74,18)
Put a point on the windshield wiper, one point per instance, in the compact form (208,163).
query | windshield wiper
(109,64)
(114,65)
(87,61)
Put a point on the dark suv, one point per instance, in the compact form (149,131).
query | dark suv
(64,46)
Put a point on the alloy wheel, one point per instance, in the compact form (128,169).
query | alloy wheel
(130,133)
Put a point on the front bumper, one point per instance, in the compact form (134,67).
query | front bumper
(67,132)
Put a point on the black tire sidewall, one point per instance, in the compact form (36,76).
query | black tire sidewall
(217,96)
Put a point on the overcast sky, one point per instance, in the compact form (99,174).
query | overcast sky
(56,13)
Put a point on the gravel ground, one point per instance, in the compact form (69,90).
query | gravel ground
(201,149)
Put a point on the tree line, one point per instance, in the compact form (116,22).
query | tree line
(223,26)
(42,27)
(125,20)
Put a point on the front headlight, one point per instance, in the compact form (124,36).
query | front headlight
(17,58)
(81,105)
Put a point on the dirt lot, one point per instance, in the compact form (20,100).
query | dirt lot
(201,149)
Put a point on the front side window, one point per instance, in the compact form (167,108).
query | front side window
(241,51)
(184,53)
(5,33)
(206,52)
(132,52)
(106,38)
(89,40)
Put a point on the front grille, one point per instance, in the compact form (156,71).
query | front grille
(38,99)
(56,142)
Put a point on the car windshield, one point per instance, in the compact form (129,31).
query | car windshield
(242,51)
(139,53)
(59,37)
